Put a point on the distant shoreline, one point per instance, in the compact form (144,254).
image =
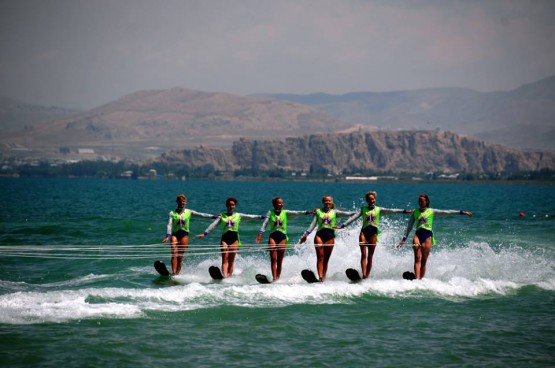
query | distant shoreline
(550,181)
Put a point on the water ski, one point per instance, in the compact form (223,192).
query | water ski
(215,273)
(262,279)
(309,276)
(161,268)
(353,274)
(407,275)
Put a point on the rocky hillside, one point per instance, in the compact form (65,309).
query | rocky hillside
(398,152)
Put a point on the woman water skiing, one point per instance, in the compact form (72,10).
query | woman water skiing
(368,237)
(229,242)
(424,237)
(277,241)
(178,231)
(325,219)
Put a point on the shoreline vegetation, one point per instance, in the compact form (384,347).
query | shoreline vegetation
(157,171)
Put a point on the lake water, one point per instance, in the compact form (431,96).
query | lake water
(77,286)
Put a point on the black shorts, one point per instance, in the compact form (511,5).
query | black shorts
(230,237)
(326,234)
(423,234)
(180,234)
(278,236)
(369,231)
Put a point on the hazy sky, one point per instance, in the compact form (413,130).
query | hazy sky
(84,53)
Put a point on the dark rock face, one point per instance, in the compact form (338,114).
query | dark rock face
(402,151)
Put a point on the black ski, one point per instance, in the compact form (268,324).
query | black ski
(262,279)
(309,276)
(161,268)
(353,274)
(215,273)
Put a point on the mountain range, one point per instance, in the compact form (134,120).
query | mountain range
(145,124)
(523,118)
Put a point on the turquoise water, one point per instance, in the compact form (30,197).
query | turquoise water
(77,286)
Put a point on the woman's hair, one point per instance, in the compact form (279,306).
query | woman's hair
(231,199)
(368,194)
(181,196)
(274,200)
(425,196)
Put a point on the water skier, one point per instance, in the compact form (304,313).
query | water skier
(178,231)
(424,237)
(229,242)
(325,219)
(368,237)
(277,241)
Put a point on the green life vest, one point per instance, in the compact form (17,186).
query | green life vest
(326,220)
(424,220)
(278,221)
(370,217)
(230,223)
(180,221)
